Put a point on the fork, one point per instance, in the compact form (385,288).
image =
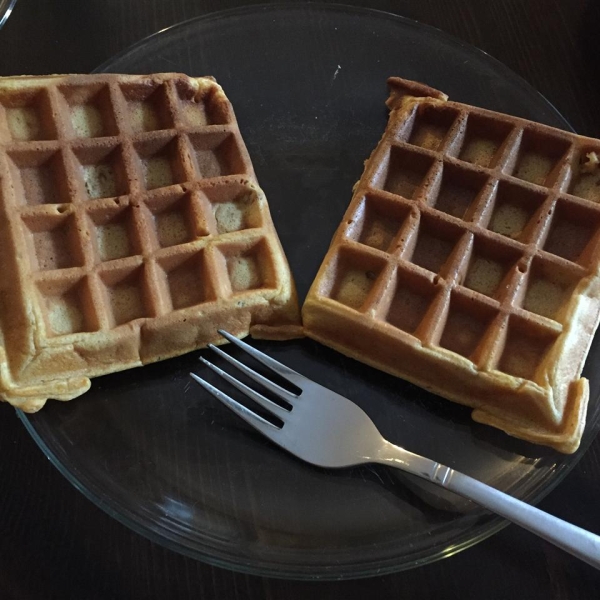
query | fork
(328,430)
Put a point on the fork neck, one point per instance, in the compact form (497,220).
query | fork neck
(396,456)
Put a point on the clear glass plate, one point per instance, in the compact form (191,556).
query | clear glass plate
(151,449)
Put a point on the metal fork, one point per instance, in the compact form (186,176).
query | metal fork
(328,430)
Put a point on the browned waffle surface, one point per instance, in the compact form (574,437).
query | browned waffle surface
(468,263)
(131,228)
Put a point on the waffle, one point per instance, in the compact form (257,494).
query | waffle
(132,227)
(467,263)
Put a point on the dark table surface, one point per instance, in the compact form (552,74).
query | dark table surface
(54,543)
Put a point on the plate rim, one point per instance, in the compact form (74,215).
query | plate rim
(333,7)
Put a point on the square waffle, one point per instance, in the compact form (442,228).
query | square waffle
(132,227)
(468,263)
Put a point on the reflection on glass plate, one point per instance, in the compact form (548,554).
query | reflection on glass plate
(6,8)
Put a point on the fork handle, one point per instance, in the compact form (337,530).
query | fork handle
(574,540)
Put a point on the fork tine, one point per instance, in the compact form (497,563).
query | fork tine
(256,421)
(266,383)
(267,404)
(288,374)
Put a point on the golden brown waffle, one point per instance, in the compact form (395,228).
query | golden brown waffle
(131,228)
(468,263)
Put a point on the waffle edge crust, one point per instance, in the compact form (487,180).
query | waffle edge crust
(132,227)
(468,263)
